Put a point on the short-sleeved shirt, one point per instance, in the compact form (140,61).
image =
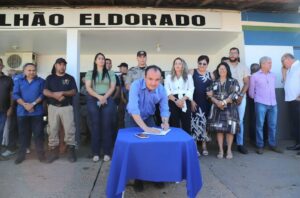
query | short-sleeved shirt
(6,86)
(101,86)
(239,72)
(134,73)
(56,83)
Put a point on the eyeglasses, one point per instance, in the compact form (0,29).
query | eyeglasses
(200,63)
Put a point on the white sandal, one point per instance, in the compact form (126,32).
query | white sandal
(220,155)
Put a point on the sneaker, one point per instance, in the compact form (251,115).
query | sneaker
(138,186)
(242,149)
(8,153)
(260,151)
(276,149)
(28,151)
(96,158)
(106,158)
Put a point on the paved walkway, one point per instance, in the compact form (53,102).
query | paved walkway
(268,175)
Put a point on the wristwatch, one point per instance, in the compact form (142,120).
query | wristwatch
(34,103)
(242,94)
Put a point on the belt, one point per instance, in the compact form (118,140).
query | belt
(61,105)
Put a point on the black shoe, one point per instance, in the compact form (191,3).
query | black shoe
(276,149)
(242,149)
(53,155)
(260,151)
(138,185)
(159,185)
(20,158)
(41,156)
(72,156)
(294,147)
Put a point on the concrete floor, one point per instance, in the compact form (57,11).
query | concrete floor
(268,175)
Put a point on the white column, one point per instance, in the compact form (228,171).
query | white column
(73,54)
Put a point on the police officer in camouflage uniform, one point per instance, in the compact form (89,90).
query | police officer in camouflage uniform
(137,72)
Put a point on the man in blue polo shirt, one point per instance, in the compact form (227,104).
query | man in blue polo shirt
(28,92)
(144,94)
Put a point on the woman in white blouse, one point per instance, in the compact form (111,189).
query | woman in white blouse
(180,88)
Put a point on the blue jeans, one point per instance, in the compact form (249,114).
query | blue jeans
(240,135)
(28,124)
(261,111)
(2,124)
(102,124)
(129,121)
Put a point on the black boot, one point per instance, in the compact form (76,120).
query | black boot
(20,158)
(72,155)
(53,155)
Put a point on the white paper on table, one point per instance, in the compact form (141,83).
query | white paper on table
(162,132)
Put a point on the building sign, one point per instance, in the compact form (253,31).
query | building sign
(108,18)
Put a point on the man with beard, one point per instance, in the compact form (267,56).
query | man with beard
(241,73)
(60,87)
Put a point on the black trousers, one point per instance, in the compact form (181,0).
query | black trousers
(294,109)
(34,124)
(180,119)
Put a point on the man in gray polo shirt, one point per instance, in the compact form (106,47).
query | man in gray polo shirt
(137,72)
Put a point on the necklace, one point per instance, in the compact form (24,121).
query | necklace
(223,89)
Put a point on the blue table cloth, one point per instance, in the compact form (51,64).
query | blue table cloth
(169,158)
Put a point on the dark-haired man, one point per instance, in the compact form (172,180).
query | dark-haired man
(144,94)
(60,87)
(241,73)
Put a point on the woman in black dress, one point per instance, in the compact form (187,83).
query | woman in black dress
(224,116)
(200,103)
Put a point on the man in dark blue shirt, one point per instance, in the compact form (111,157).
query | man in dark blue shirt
(60,87)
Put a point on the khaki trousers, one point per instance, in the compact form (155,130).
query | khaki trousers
(56,117)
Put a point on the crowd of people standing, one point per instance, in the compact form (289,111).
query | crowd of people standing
(200,102)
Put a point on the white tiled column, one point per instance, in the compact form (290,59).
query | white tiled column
(73,54)
(73,68)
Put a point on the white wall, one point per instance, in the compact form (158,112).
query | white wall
(46,61)
(255,52)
